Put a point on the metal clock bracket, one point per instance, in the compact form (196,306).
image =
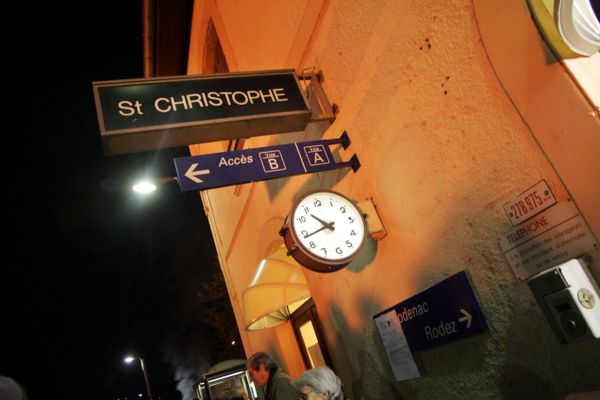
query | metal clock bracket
(375,227)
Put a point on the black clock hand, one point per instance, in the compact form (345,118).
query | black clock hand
(318,230)
(325,224)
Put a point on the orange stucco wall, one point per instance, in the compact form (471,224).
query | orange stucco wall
(446,135)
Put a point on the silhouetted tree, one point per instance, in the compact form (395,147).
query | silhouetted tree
(217,314)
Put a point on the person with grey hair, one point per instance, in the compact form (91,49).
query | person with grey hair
(319,383)
(265,372)
(11,389)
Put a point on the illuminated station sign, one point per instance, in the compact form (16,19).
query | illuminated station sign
(145,114)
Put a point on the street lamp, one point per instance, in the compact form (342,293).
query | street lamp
(129,360)
(144,187)
(147,186)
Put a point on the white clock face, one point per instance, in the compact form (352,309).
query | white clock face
(328,226)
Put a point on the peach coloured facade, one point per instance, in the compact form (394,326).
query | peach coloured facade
(453,107)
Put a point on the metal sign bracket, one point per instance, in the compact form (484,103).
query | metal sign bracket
(322,109)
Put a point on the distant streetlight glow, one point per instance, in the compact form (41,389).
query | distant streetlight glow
(129,360)
(144,187)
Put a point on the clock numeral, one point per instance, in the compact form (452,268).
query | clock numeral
(317,203)
(312,245)
(330,202)
(304,233)
(351,220)
(324,250)
(302,219)
(343,209)
(338,250)
(306,210)
(349,244)
(353,233)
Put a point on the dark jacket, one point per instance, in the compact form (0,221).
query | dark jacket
(280,386)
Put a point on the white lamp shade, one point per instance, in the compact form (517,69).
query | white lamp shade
(570,27)
(579,26)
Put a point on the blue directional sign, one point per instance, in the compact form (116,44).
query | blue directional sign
(445,312)
(263,163)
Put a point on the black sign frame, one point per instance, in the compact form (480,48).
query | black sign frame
(145,114)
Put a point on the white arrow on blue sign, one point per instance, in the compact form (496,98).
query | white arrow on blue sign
(445,312)
(243,166)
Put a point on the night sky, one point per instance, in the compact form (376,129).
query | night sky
(91,272)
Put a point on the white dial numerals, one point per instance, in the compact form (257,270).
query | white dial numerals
(328,226)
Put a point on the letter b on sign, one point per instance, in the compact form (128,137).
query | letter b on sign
(272,161)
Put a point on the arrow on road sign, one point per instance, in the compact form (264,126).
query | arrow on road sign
(258,164)
(192,174)
(442,313)
(466,317)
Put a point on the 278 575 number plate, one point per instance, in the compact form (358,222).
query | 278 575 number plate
(529,203)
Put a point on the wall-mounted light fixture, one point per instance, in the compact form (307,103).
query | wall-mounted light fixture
(278,284)
(571,27)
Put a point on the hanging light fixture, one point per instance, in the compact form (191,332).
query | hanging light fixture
(277,285)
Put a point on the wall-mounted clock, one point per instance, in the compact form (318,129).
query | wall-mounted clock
(324,231)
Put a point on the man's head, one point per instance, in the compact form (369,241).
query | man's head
(259,367)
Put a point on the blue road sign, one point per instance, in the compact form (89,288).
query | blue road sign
(263,163)
(445,312)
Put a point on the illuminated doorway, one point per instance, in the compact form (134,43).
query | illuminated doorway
(307,330)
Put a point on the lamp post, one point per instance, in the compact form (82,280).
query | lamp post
(129,360)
